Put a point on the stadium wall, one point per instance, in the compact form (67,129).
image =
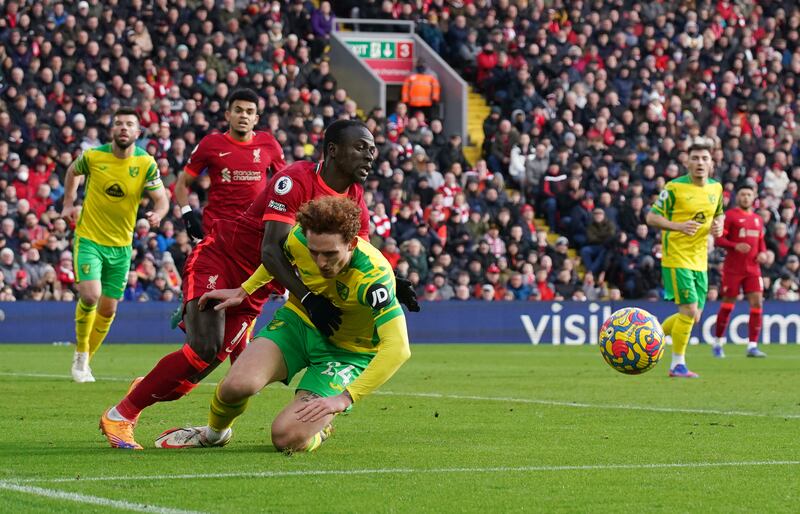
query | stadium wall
(570,323)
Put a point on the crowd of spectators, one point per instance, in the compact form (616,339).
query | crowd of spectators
(593,103)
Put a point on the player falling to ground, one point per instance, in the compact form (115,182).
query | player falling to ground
(363,354)
(238,163)
(687,209)
(230,255)
(117,175)
(743,238)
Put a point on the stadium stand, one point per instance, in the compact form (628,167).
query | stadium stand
(588,110)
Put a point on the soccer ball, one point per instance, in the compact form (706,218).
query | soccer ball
(631,341)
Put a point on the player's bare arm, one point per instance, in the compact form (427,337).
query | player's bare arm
(660,222)
(193,225)
(718,227)
(71,183)
(275,261)
(160,207)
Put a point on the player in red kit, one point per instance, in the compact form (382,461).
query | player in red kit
(743,238)
(238,162)
(230,255)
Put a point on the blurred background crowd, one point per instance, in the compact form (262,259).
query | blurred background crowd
(593,103)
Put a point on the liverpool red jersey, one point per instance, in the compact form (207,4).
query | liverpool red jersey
(286,192)
(742,227)
(238,172)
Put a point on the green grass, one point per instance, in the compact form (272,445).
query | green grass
(503,435)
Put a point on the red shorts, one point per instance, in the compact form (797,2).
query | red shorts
(209,267)
(732,284)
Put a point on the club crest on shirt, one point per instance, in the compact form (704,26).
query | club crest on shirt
(212,282)
(283,185)
(343,290)
(86,268)
(257,155)
(133,171)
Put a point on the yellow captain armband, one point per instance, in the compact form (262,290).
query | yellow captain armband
(257,280)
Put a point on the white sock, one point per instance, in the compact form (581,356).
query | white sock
(721,342)
(114,415)
(213,436)
(678,359)
(751,345)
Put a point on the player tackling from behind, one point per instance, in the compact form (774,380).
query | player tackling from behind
(687,209)
(743,238)
(368,348)
(228,257)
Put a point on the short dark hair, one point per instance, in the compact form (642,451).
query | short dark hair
(334,134)
(700,144)
(126,111)
(243,94)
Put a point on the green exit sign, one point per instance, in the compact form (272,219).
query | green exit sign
(376,49)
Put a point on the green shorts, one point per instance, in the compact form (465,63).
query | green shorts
(108,264)
(685,286)
(329,368)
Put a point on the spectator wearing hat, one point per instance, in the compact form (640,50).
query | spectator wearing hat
(431,293)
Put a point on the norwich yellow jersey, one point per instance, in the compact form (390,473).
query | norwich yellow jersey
(680,201)
(364,291)
(113,190)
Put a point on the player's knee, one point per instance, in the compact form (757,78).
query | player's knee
(238,387)
(205,348)
(286,436)
(90,298)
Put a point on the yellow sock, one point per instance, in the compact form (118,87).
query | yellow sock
(318,438)
(314,443)
(222,415)
(84,320)
(99,331)
(668,324)
(680,334)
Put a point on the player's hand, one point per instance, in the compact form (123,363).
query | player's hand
(688,227)
(761,258)
(718,227)
(153,218)
(193,226)
(227,297)
(317,408)
(71,213)
(404,290)
(742,247)
(323,313)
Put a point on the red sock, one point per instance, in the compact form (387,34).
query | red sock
(162,381)
(754,325)
(180,391)
(723,316)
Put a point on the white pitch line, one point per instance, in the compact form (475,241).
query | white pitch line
(588,405)
(91,500)
(410,471)
(533,401)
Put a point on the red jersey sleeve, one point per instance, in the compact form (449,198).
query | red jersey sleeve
(278,160)
(724,240)
(364,232)
(198,160)
(285,195)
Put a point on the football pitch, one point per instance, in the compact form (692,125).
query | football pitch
(472,428)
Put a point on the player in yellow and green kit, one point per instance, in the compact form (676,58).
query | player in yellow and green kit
(363,353)
(687,209)
(117,175)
